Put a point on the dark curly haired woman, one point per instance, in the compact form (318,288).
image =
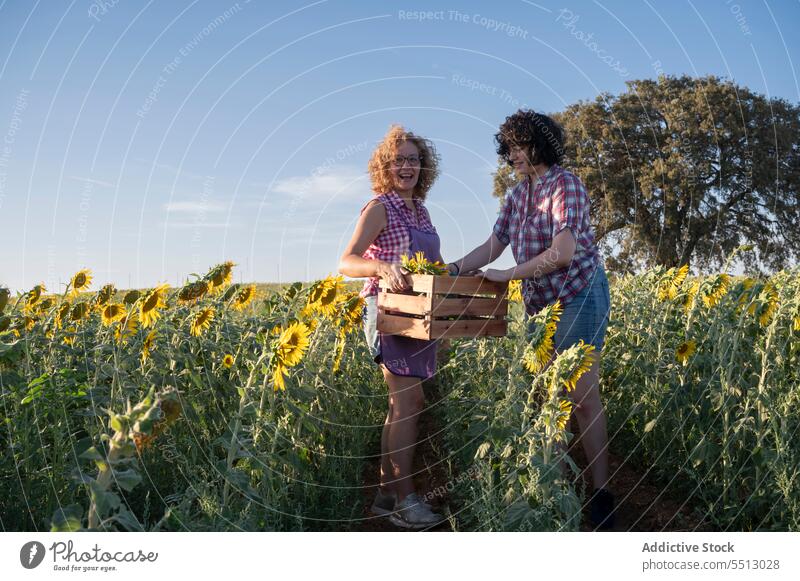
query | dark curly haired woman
(546,220)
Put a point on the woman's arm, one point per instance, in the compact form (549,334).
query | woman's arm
(352,264)
(558,256)
(484,254)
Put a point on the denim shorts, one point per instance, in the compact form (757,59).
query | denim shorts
(371,327)
(585,316)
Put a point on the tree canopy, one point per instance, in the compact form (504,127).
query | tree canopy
(684,170)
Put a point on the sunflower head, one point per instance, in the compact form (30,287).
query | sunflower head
(571,364)
(227,360)
(80,282)
(714,288)
(324,296)
(219,276)
(5,294)
(201,321)
(670,283)
(515,291)
(564,413)
(79,311)
(45,305)
(33,296)
(131,297)
(151,303)
(292,344)
(244,297)
(127,327)
(112,313)
(148,344)
(193,292)
(352,310)
(104,295)
(685,350)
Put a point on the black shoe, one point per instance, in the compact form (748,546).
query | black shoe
(602,509)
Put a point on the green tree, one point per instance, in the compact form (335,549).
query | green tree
(683,170)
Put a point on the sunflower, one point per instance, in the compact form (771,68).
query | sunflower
(574,362)
(5,323)
(150,305)
(714,288)
(193,292)
(244,297)
(797,322)
(685,350)
(62,313)
(45,304)
(32,297)
(352,310)
(227,360)
(219,276)
(564,412)
(148,344)
(538,352)
(127,328)
(80,282)
(79,311)
(292,344)
(5,294)
(515,291)
(688,300)
(131,297)
(421,265)
(768,304)
(104,294)
(69,339)
(324,296)
(202,321)
(278,377)
(109,314)
(671,282)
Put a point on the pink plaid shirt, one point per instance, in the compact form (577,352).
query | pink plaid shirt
(394,240)
(530,221)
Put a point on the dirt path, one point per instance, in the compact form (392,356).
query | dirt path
(642,504)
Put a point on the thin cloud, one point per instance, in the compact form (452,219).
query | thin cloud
(337,182)
(194,207)
(93,181)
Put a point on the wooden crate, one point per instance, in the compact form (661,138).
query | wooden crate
(443,307)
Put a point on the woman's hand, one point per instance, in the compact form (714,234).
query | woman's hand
(394,275)
(497,275)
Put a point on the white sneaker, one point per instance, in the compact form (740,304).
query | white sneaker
(413,514)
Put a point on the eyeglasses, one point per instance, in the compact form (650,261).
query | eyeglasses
(413,160)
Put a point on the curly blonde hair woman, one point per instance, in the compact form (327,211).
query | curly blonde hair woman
(402,168)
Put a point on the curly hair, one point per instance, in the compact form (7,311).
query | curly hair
(380,172)
(539,133)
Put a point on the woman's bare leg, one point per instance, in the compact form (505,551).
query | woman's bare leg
(592,420)
(406,403)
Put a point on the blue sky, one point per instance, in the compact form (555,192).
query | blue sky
(147,141)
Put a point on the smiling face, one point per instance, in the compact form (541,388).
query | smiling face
(520,158)
(405,167)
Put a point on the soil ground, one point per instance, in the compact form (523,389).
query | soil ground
(641,503)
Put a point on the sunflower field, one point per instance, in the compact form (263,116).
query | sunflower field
(220,406)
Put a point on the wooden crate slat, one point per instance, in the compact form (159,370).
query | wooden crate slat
(469,307)
(469,328)
(407,326)
(422,283)
(412,304)
(467,285)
